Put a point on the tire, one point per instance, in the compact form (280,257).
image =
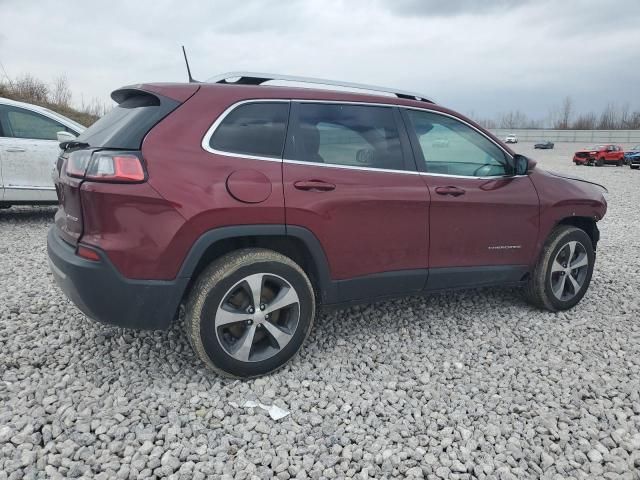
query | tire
(547,274)
(634,167)
(226,283)
(600,162)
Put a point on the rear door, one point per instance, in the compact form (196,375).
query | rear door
(484,223)
(29,152)
(349,178)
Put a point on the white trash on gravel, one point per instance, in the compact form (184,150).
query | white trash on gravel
(462,385)
(275,412)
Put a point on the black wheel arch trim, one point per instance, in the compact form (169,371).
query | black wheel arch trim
(327,287)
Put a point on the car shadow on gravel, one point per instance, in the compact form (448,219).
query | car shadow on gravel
(164,355)
(27,214)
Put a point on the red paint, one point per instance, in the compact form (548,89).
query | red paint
(249,186)
(605,154)
(371,222)
(494,222)
(366,221)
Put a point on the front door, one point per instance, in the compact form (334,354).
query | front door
(349,178)
(484,222)
(29,150)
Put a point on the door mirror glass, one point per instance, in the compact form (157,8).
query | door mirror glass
(520,164)
(65,136)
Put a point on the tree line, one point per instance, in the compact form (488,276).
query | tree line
(564,117)
(55,96)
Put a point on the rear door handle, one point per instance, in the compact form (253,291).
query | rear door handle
(314,186)
(15,149)
(453,191)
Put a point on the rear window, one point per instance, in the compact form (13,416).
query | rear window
(254,129)
(127,124)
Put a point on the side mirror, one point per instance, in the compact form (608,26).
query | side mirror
(65,136)
(521,164)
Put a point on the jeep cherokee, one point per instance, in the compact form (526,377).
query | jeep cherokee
(253,204)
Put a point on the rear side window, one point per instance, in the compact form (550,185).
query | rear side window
(21,123)
(253,129)
(349,135)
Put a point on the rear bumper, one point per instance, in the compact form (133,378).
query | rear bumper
(103,294)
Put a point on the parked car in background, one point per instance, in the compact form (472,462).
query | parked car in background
(29,146)
(544,145)
(511,138)
(440,143)
(632,157)
(600,155)
(250,230)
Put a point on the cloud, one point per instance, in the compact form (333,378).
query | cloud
(485,57)
(451,7)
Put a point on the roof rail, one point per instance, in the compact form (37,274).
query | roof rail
(253,78)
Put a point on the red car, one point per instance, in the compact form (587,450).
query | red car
(252,205)
(600,155)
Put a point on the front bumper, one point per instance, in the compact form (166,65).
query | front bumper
(583,160)
(103,294)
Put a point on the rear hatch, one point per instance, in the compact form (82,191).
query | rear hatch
(119,132)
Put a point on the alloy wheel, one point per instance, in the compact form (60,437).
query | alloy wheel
(569,270)
(257,317)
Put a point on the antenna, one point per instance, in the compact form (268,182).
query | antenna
(191,79)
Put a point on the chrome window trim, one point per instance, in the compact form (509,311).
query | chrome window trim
(207,137)
(351,167)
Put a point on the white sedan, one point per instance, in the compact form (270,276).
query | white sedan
(29,148)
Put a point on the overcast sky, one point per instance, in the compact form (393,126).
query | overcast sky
(476,56)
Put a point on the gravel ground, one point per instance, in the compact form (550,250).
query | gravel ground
(466,385)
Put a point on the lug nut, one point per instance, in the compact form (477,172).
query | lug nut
(262,306)
(249,322)
(250,310)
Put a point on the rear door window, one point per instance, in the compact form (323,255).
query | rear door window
(349,135)
(253,129)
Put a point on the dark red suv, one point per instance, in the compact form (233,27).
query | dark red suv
(252,205)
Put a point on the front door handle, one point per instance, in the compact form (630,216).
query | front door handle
(15,149)
(314,186)
(453,191)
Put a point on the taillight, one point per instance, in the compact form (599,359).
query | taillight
(77,163)
(106,166)
(115,168)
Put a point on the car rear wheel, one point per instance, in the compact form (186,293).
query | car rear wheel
(635,167)
(563,273)
(250,312)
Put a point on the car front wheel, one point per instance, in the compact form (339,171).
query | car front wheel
(563,273)
(250,312)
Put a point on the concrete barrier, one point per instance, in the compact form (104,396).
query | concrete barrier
(576,136)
